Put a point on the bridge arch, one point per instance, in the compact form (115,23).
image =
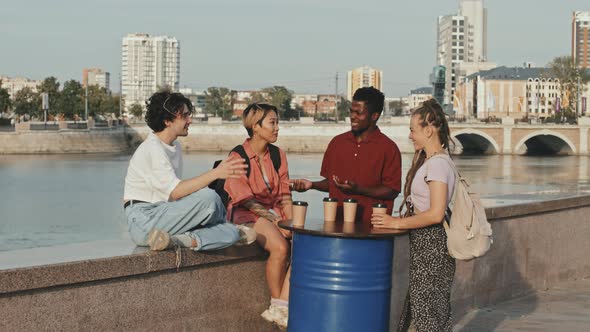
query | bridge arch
(545,142)
(473,141)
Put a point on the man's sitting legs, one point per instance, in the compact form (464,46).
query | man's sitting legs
(200,215)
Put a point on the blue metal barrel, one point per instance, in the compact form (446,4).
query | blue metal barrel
(340,284)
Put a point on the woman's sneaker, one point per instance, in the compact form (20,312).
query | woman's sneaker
(247,235)
(277,314)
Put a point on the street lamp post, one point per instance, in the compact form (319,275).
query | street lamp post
(577,93)
(86,103)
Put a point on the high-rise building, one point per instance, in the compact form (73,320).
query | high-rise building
(148,64)
(581,38)
(96,76)
(461,38)
(364,77)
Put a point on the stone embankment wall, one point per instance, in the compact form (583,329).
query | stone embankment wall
(202,137)
(536,246)
(66,141)
(292,137)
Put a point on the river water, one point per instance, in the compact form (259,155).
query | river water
(50,200)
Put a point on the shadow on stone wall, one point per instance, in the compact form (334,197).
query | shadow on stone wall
(497,277)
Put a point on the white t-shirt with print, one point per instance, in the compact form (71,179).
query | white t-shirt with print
(154,171)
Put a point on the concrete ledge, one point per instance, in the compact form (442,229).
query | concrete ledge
(536,246)
(532,208)
(222,290)
(141,262)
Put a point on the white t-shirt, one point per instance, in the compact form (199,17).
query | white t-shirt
(154,170)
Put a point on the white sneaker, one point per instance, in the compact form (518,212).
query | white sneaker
(283,316)
(247,235)
(158,239)
(277,314)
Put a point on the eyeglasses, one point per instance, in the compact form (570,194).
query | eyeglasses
(184,114)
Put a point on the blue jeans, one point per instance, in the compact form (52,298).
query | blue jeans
(200,215)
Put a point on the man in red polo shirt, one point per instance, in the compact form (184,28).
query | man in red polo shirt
(363,163)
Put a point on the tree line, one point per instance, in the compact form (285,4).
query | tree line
(69,102)
(219,102)
(572,85)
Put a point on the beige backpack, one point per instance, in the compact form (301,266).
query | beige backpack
(469,234)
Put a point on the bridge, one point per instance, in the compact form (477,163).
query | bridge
(471,138)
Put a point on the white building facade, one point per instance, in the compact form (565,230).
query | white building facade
(515,92)
(15,84)
(148,64)
(418,96)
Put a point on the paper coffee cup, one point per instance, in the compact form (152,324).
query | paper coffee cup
(348,227)
(380,208)
(329,226)
(299,211)
(350,205)
(330,208)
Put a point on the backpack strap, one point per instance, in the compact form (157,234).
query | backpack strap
(275,156)
(273,150)
(240,150)
(448,212)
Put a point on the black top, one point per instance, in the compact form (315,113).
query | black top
(340,229)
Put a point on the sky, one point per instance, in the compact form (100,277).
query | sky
(252,44)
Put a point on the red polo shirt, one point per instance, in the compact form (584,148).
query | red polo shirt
(374,161)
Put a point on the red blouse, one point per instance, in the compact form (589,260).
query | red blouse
(243,189)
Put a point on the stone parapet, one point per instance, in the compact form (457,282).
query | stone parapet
(536,246)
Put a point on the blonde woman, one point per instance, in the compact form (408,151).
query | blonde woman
(428,190)
(263,198)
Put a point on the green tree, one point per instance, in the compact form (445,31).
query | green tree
(218,102)
(256,97)
(114,104)
(344,108)
(299,111)
(100,101)
(5,101)
(571,79)
(280,97)
(397,106)
(136,110)
(50,85)
(71,100)
(27,102)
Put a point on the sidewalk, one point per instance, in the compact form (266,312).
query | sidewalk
(562,308)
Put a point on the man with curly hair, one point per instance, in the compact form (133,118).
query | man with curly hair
(163,211)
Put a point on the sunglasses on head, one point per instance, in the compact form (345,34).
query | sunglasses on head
(184,114)
(255,107)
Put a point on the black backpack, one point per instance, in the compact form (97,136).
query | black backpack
(218,184)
